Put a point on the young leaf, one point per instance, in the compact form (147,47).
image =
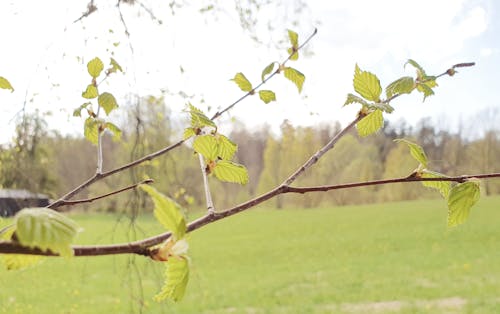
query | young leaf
(367,85)
(294,38)
(78,111)
(45,229)
(416,151)
(462,197)
(107,101)
(295,77)
(20,261)
(95,67)
(91,92)
(353,99)
(420,71)
(228,171)
(199,119)
(115,66)
(242,82)
(267,70)
(425,89)
(5,84)
(267,96)
(404,85)
(117,133)
(167,212)
(16,261)
(371,123)
(177,277)
(294,54)
(442,186)
(226,148)
(188,133)
(91,130)
(207,146)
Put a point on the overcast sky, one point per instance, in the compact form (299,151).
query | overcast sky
(44,56)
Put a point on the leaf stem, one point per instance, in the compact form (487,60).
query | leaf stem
(208,195)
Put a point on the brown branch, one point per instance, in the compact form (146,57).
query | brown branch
(98,177)
(314,158)
(141,247)
(89,200)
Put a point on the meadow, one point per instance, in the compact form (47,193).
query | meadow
(382,258)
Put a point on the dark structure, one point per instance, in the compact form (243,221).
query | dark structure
(12,201)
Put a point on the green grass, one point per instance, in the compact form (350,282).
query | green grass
(396,258)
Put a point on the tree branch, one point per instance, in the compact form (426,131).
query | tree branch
(141,247)
(252,92)
(100,176)
(89,200)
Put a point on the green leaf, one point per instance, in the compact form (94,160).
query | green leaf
(117,133)
(107,101)
(226,148)
(442,186)
(242,82)
(199,119)
(462,197)
(353,99)
(420,71)
(267,70)
(404,85)
(95,67)
(267,96)
(20,261)
(167,212)
(78,111)
(294,38)
(45,229)
(228,171)
(382,106)
(295,77)
(188,133)
(367,85)
(370,124)
(91,130)
(115,66)
(91,92)
(416,151)
(293,55)
(207,146)
(5,84)
(177,277)
(425,89)
(16,261)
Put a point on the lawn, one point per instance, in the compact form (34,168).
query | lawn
(383,258)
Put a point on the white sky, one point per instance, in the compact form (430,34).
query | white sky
(44,56)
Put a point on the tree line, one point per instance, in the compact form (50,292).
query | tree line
(45,161)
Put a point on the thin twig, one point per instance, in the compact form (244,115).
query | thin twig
(99,151)
(252,92)
(314,158)
(89,200)
(208,195)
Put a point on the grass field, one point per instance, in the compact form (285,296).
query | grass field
(384,258)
